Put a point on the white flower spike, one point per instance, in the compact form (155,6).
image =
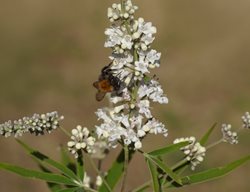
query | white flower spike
(130,119)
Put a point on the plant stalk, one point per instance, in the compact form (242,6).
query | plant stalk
(126,159)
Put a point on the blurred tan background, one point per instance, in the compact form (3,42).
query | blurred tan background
(52,51)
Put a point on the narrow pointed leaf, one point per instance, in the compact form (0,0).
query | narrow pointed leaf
(49,177)
(205,138)
(74,189)
(80,166)
(154,176)
(65,157)
(67,160)
(213,173)
(43,159)
(142,188)
(52,186)
(164,167)
(115,172)
(168,149)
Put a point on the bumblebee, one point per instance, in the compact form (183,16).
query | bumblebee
(107,83)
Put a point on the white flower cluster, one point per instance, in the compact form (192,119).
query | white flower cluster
(118,126)
(81,140)
(228,135)
(129,119)
(194,152)
(37,124)
(131,40)
(246,120)
(115,12)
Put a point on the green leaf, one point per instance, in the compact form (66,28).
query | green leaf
(167,181)
(80,166)
(164,167)
(143,187)
(49,177)
(74,189)
(67,160)
(154,176)
(168,149)
(115,172)
(45,159)
(52,186)
(213,173)
(65,157)
(205,138)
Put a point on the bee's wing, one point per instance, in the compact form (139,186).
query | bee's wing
(96,84)
(100,95)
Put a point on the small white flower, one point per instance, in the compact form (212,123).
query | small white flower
(141,133)
(116,100)
(246,120)
(136,121)
(147,39)
(99,180)
(144,90)
(141,66)
(103,114)
(228,135)
(117,109)
(126,42)
(154,91)
(155,127)
(138,145)
(115,36)
(143,106)
(153,57)
(145,28)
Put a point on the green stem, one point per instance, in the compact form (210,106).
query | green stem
(143,186)
(214,144)
(99,164)
(99,173)
(179,164)
(135,55)
(170,182)
(123,5)
(89,189)
(65,131)
(126,159)
(80,166)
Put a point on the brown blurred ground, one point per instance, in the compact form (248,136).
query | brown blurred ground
(52,51)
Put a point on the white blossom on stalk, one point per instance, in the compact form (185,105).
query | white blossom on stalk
(130,119)
(228,135)
(81,140)
(246,120)
(115,12)
(38,124)
(194,152)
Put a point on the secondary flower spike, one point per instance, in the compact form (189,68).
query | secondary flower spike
(127,80)
(37,124)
